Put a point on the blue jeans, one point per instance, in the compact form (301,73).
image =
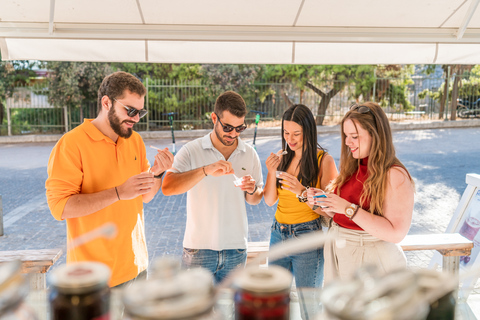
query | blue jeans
(306,267)
(219,263)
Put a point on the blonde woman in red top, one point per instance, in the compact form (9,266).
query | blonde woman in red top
(372,199)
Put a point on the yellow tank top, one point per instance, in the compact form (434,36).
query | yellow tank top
(290,210)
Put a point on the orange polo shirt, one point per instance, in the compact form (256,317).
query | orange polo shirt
(84,160)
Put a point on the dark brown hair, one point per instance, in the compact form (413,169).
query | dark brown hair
(308,166)
(232,102)
(115,84)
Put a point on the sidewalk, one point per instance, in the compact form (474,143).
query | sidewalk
(438,159)
(261,131)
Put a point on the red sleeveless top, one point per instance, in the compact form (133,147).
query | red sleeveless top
(351,191)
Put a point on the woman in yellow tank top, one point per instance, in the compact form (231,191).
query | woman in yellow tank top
(306,164)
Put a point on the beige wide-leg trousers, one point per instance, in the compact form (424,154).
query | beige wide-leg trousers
(351,249)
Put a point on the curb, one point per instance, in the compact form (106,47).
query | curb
(262,132)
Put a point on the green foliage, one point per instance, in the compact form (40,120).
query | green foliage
(180,72)
(428,69)
(13,73)
(392,86)
(171,87)
(336,77)
(222,77)
(469,87)
(74,83)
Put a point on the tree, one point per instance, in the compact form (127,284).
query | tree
(321,79)
(73,84)
(12,73)
(329,80)
(222,77)
(181,72)
(168,89)
(387,83)
(219,78)
(466,84)
(459,71)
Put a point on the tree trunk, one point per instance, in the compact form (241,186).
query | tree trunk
(322,107)
(443,102)
(325,101)
(286,98)
(2,112)
(301,95)
(453,112)
(81,114)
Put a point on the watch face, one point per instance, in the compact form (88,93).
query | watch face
(349,211)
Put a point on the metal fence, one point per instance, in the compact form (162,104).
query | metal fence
(189,104)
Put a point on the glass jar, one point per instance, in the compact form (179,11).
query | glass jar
(80,291)
(263,294)
(397,295)
(14,287)
(186,294)
(165,268)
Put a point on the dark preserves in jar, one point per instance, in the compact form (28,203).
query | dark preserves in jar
(79,291)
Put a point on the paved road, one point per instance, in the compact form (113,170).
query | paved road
(438,159)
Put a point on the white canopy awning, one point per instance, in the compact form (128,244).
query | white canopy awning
(243,31)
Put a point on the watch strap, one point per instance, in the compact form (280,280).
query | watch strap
(159,176)
(355,212)
(350,210)
(301,197)
(254,190)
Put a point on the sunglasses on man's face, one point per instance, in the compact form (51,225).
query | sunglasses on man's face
(229,128)
(360,109)
(132,112)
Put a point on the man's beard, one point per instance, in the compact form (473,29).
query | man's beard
(116,125)
(220,137)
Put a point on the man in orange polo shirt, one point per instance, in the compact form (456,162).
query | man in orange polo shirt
(99,173)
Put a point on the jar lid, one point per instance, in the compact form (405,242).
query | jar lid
(80,277)
(390,296)
(273,279)
(188,294)
(165,267)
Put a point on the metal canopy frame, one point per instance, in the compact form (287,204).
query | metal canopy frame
(453,24)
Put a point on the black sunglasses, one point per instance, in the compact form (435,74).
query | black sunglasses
(360,109)
(132,112)
(229,128)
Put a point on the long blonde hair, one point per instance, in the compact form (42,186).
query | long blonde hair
(380,159)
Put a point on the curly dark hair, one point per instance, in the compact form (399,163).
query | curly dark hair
(115,84)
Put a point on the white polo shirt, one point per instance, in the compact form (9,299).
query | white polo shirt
(216,212)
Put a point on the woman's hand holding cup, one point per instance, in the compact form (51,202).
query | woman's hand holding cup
(315,195)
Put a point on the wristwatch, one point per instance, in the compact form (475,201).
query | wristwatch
(159,176)
(253,191)
(350,210)
(303,196)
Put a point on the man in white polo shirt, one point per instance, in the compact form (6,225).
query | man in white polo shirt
(217,228)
